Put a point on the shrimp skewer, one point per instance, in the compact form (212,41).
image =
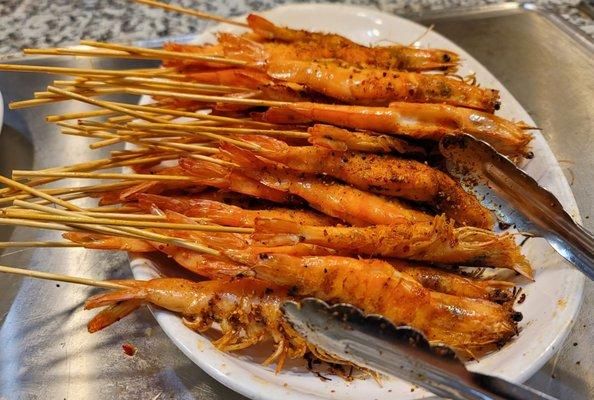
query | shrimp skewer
(247,311)
(413,120)
(380,174)
(374,86)
(315,45)
(336,200)
(376,287)
(436,242)
(225,214)
(338,139)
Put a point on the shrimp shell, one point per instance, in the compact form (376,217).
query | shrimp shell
(340,201)
(436,241)
(373,86)
(305,45)
(377,288)
(382,174)
(414,120)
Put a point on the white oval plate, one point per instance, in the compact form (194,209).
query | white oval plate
(552,301)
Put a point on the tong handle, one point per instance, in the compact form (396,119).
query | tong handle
(575,244)
(507,390)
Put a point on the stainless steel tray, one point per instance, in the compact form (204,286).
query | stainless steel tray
(45,351)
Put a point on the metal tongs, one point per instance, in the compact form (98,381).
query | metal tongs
(516,198)
(375,343)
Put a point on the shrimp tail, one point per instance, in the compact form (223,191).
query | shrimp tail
(235,46)
(204,171)
(112,298)
(113,314)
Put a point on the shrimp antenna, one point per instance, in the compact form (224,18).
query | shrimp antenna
(190,11)
(60,278)
(429,29)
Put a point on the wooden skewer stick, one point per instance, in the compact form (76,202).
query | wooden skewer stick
(161,54)
(123,231)
(68,190)
(60,278)
(189,11)
(104,104)
(90,175)
(83,114)
(6,245)
(38,193)
(196,115)
(79,71)
(190,128)
(207,98)
(23,214)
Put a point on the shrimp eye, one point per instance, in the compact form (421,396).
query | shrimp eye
(517,316)
(447,58)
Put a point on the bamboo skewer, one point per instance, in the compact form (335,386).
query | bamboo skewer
(188,127)
(79,71)
(83,114)
(6,245)
(60,278)
(189,11)
(123,231)
(70,190)
(211,99)
(89,175)
(105,221)
(164,54)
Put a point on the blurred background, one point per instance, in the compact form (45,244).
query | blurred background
(40,23)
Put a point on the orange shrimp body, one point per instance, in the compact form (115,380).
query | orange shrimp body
(382,174)
(373,86)
(247,311)
(436,241)
(443,281)
(414,120)
(340,201)
(311,46)
(225,214)
(376,287)
(338,139)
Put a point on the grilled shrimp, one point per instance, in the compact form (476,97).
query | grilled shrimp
(380,174)
(304,45)
(222,177)
(436,241)
(338,139)
(225,214)
(373,86)
(443,281)
(414,120)
(376,287)
(247,311)
(337,200)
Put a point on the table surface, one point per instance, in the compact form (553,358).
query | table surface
(46,351)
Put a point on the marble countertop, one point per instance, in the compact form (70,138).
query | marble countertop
(38,23)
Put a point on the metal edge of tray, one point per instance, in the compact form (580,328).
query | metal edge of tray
(507,8)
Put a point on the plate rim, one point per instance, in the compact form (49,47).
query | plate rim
(570,204)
